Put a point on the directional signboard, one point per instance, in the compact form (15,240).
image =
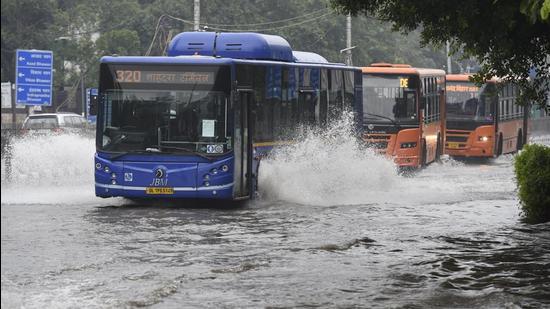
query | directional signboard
(33,85)
(91,98)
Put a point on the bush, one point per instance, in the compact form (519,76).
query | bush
(532,168)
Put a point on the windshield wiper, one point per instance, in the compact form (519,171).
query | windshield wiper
(157,151)
(188,151)
(395,124)
(121,154)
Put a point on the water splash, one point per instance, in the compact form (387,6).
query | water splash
(52,169)
(332,168)
(325,168)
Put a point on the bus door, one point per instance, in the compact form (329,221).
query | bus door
(243,143)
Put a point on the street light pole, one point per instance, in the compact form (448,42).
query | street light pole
(448,49)
(62,51)
(197,15)
(348,40)
(83,96)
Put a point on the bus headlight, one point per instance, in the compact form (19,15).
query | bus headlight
(113,175)
(225,168)
(107,169)
(483,138)
(214,171)
(408,145)
(98,165)
(206,177)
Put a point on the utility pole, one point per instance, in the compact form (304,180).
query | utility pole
(197,15)
(83,96)
(448,48)
(348,40)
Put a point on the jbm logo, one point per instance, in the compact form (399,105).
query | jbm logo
(160,178)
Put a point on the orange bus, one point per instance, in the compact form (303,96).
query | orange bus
(483,121)
(403,112)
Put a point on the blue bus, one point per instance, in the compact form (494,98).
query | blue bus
(196,123)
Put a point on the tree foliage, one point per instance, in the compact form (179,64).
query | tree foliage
(509,37)
(532,169)
(82,31)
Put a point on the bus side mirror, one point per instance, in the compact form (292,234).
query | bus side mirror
(93,105)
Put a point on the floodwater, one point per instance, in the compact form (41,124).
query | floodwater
(334,226)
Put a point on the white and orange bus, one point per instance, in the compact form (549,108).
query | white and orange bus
(483,121)
(403,112)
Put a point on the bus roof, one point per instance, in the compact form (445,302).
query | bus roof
(212,48)
(308,57)
(388,68)
(242,45)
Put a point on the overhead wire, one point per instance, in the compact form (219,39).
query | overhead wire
(265,23)
(255,30)
(185,21)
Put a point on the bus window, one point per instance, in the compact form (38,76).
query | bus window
(383,97)
(349,86)
(275,96)
(336,91)
(146,115)
(323,98)
(466,101)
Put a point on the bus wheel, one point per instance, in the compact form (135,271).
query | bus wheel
(424,154)
(438,149)
(499,147)
(255,192)
(519,144)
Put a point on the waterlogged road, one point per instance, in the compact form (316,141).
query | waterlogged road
(346,234)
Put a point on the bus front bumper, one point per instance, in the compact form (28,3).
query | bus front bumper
(408,161)
(211,192)
(470,151)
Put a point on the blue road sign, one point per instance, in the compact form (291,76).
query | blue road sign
(34,77)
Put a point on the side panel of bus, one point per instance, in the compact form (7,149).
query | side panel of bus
(431,125)
(511,118)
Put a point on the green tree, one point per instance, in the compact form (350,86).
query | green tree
(94,28)
(508,37)
(26,24)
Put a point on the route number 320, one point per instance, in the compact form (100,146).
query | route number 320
(128,76)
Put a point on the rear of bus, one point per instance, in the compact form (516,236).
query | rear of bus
(471,117)
(397,122)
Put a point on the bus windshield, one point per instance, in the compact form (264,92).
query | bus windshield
(466,101)
(167,118)
(389,98)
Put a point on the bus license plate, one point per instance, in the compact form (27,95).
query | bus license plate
(159,190)
(453,145)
